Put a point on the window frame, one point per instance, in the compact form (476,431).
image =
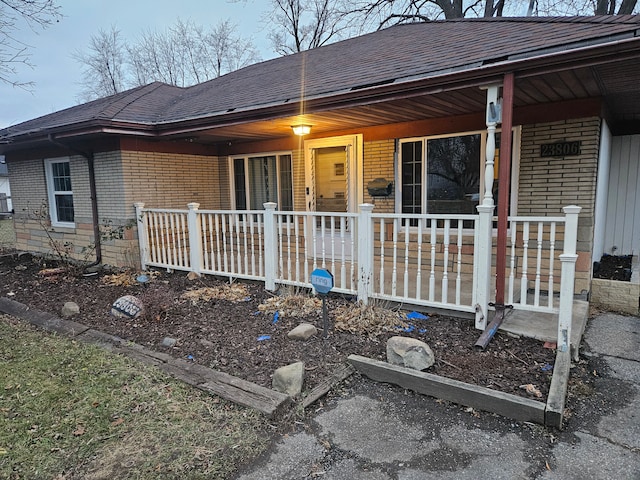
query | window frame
(52,193)
(245,158)
(515,166)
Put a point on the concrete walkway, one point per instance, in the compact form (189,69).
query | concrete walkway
(378,432)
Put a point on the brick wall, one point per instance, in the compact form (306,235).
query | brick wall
(548,184)
(378,163)
(168,180)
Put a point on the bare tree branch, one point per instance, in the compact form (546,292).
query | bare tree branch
(14,53)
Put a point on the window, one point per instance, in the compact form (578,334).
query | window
(58,175)
(447,181)
(443,175)
(261,179)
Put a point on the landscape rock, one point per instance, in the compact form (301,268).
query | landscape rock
(289,379)
(70,309)
(410,353)
(304,331)
(169,342)
(128,306)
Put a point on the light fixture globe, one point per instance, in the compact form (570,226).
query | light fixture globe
(301,129)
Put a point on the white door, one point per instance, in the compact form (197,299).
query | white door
(333,170)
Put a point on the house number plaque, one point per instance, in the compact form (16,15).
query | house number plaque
(560,149)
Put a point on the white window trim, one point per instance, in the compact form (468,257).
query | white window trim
(515,164)
(51,192)
(245,157)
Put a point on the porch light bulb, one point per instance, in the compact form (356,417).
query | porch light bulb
(301,129)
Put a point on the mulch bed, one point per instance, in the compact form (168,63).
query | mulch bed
(240,334)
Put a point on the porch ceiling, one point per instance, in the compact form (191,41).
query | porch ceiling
(616,83)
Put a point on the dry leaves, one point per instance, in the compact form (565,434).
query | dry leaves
(531,390)
(232,293)
(297,306)
(368,319)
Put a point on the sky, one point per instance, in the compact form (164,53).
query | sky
(57,75)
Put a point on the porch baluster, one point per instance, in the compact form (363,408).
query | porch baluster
(218,230)
(382,235)
(459,267)
(512,271)
(296,233)
(394,269)
(552,247)
(406,259)
(343,258)
(536,300)
(524,281)
(432,274)
(445,268)
(419,261)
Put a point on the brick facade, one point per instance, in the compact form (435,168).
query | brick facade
(172,180)
(548,184)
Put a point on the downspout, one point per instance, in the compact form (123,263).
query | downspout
(504,177)
(93,194)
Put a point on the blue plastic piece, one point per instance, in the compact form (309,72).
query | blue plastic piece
(190,357)
(422,330)
(276,316)
(547,368)
(417,316)
(264,337)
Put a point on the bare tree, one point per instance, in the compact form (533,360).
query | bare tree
(182,55)
(304,24)
(36,14)
(103,65)
(381,13)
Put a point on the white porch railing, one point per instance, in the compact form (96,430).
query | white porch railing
(440,261)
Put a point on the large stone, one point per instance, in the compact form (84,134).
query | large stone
(289,379)
(410,353)
(127,306)
(70,309)
(303,332)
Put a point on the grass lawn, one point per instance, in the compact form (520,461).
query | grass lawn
(70,410)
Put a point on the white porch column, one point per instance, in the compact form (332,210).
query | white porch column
(270,246)
(484,227)
(195,238)
(567,280)
(143,241)
(482,264)
(365,253)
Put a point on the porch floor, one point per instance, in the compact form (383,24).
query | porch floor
(544,326)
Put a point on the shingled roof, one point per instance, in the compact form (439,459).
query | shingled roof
(386,58)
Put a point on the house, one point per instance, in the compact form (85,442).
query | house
(405,119)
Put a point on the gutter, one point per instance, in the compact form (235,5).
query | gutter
(94,197)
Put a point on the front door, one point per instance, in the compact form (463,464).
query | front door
(333,168)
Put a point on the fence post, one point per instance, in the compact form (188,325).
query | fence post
(195,238)
(143,241)
(567,280)
(365,252)
(270,246)
(482,264)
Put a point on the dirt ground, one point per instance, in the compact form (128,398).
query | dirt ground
(234,328)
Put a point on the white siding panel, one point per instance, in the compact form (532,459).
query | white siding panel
(623,204)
